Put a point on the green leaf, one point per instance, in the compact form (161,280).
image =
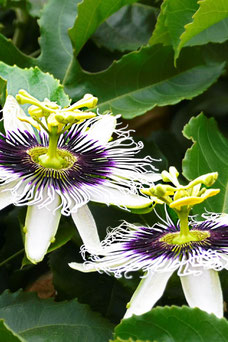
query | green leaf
(35,7)
(45,320)
(174,324)
(7,335)
(209,153)
(144,79)
(36,82)
(9,54)
(127,29)
(90,15)
(3,84)
(128,340)
(207,16)
(173,17)
(56,49)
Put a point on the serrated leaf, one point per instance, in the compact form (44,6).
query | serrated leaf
(144,79)
(90,15)
(173,17)
(208,15)
(56,49)
(3,85)
(209,153)
(7,335)
(127,29)
(45,320)
(36,82)
(35,7)
(176,324)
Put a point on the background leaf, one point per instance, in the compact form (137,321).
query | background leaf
(90,15)
(144,79)
(11,55)
(174,324)
(127,29)
(36,319)
(209,153)
(56,49)
(36,82)
(103,293)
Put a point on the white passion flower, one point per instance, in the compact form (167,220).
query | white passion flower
(131,248)
(55,160)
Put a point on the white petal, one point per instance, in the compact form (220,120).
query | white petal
(148,292)
(103,129)
(10,111)
(87,228)
(6,197)
(204,291)
(86,268)
(117,197)
(40,228)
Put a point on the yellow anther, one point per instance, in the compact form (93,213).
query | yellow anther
(73,117)
(165,176)
(210,193)
(35,111)
(24,94)
(50,104)
(88,101)
(192,200)
(207,179)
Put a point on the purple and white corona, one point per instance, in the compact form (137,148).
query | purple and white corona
(56,160)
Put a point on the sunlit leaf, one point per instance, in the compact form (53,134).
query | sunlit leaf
(34,81)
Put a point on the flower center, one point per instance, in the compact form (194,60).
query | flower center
(180,239)
(67,159)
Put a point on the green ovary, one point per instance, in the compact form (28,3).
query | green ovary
(180,239)
(62,160)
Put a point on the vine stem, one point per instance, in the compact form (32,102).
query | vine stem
(12,257)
